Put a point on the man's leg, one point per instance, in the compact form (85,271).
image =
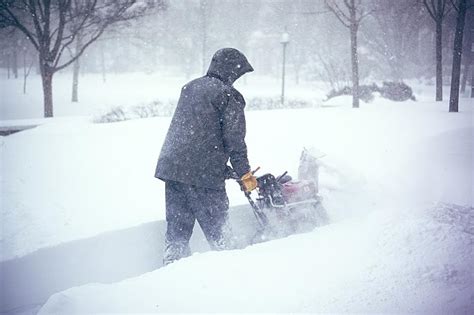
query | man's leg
(210,207)
(180,222)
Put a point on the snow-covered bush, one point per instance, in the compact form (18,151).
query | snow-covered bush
(365,92)
(114,115)
(153,109)
(395,91)
(261,103)
(159,109)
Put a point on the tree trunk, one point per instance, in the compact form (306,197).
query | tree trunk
(472,85)
(102,64)
(465,74)
(355,67)
(25,75)
(15,64)
(75,72)
(297,75)
(47,80)
(8,66)
(467,58)
(457,55)
(75,80)
(439,61)
(283,76)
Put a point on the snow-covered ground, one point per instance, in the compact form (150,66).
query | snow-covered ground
(386,262)
(397,181)
(125,90)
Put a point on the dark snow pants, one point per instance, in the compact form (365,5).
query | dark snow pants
(187,203)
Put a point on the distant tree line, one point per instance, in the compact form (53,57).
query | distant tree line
(340,42)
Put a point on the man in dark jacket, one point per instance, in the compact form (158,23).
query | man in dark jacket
(207,129)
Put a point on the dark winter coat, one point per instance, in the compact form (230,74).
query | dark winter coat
(208,126)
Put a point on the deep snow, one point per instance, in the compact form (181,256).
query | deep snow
(396,180)
(386,262)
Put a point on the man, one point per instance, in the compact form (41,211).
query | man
(207,129)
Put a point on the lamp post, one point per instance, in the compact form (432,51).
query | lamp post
(285,39)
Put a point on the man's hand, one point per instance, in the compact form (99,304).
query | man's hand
(248,182)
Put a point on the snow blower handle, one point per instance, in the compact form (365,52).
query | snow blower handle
(232,174)
(259,215)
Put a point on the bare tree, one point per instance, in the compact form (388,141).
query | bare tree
(75,70)
(14,56)
(103,68)
(52,27)
(27,65)
(4,56)
(461,8)
(467,50)
(395,34)
(205,7)
(438,9)
(350,13)
(11,46)
(29,57)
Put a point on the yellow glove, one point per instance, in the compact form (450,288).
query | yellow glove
(248,182)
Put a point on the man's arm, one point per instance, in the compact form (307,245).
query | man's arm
(233,130)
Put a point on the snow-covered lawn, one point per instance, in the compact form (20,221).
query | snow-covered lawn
(397,181)
(125,90)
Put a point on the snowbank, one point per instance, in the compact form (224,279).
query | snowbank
(391,262)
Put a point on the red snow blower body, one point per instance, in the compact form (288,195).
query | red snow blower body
(284,206)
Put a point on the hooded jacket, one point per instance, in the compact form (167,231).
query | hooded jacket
(208,126)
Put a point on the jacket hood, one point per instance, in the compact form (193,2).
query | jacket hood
(229,64)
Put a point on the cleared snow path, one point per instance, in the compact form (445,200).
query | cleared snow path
(108,257)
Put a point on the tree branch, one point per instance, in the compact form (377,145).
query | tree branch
(338,13)
(432,13)
(39,31)
(21,27)
(93,39)
(63,7)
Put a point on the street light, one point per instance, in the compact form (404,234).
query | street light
(285,39)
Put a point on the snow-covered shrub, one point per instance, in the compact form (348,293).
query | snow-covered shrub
(365,92)
(395,91)
(159,109)
(261,103)
(114,115)
(153,109)
(147,110)
(258,103)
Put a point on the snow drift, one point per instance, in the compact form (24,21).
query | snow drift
(403,262)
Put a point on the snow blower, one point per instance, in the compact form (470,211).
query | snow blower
(284,206)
